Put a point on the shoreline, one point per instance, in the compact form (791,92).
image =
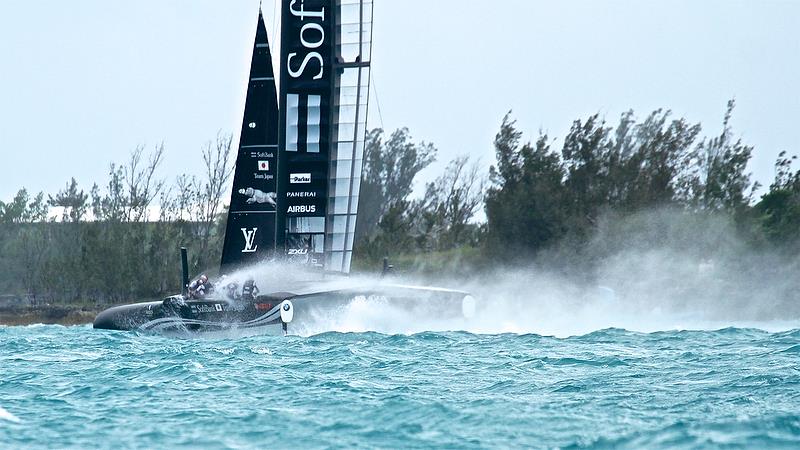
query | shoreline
(48,315)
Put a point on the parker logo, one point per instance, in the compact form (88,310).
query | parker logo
(249,240)
(263,166)
(302,209)
(298,251)
(300,178)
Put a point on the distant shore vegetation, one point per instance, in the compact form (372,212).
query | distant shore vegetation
(654,181)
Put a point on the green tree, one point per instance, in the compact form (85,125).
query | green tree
(388,175)
(24,243)
(779,209)
(450,203)
(74,203)
(525,201)
(721,182)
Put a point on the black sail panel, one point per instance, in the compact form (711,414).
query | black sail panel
(250,230)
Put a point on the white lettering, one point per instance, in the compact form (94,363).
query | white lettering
(301,194)
(309,57)
(302,13)
(302,209)
(313,26)
(306,60)
(249,240)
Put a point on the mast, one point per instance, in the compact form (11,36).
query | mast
(250,232)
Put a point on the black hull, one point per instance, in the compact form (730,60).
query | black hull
(272,314)
(175,314)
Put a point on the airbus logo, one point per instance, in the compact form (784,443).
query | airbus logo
(303,209)
(300,178)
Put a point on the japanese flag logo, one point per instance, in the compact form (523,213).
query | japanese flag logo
(263,166)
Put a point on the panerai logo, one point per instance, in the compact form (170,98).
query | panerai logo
(302,209)
(300,178)
(312,36)
(301,195)
(249,240)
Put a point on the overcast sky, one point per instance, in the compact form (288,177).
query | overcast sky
(84,82)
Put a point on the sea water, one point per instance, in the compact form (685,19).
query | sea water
(75,387)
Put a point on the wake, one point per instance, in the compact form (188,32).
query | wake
(5,415)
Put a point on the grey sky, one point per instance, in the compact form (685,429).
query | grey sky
(82,83)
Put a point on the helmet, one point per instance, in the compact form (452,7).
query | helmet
(203,278)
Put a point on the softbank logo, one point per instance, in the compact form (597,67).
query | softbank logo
(249,240)
(312,36)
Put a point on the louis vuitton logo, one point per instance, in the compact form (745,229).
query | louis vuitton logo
(249,240)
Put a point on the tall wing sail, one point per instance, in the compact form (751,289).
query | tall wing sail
(250,232)
(325,54)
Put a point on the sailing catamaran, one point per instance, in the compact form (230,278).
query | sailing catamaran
(295,188)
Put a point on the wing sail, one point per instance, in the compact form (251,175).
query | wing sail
(325,57)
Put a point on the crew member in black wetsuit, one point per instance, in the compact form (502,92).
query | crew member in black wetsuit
(249,290)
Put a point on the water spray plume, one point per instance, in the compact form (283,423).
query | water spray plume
(659,270)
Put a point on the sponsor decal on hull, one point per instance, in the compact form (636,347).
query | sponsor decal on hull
(271,318)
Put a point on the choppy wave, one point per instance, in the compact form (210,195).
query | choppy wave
(77,387)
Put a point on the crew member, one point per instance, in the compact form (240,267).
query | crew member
(200,287)
(232,290)
(249,289)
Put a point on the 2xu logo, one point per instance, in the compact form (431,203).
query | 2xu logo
(249,240)
(298,251)
(303,209)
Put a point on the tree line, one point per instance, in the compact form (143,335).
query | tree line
(119,241)
(541,200)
